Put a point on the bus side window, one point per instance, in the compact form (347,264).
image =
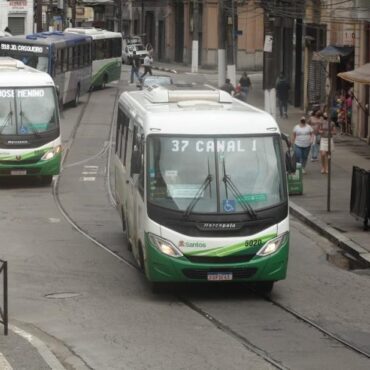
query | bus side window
(121,135)
(80,56)
(70,59)
(59,62)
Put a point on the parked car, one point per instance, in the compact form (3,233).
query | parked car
(133,45)
(155,80)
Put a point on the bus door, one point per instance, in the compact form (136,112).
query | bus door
(135,194)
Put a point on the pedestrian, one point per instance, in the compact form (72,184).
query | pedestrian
(282,93)
(324,142)
(228,87)
(245,84)
(302,140)
(314,121)
(148,61)
(135,67)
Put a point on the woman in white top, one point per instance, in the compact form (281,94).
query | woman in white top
(302,140)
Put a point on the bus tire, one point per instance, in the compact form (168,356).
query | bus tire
(46,180)
(125,231)
(141,259)
(77,96)
(264,287)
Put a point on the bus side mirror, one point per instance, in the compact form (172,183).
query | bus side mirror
(57,88)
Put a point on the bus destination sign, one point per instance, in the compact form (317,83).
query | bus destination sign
(8,46)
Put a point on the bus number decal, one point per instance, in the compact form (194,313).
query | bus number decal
(179,145)
(253,243)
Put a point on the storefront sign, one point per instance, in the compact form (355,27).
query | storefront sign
(18,4)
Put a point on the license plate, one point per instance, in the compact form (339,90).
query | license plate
(18,172)
(219,276)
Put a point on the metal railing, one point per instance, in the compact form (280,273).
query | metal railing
(4,308)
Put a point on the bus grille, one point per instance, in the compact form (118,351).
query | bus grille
(22,162)
(30,171)
(226,259)
(238,273)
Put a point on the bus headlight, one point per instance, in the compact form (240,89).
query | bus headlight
(273,245)
(164,246)
(51,153)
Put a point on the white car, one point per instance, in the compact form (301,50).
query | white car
(132,45)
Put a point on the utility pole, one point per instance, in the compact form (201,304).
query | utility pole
(142,17)
(221,54)
(38,18)
(65,13)
(195,46)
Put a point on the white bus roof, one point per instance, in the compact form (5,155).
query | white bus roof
(203,111)
(95,33)
(13,73)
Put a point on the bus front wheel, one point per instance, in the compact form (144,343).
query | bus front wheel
(264,287)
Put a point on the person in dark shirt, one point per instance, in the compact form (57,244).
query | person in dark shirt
(245,84)
(228,87)
(282,94)
(135,66)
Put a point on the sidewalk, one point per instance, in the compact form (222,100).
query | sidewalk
(337,225)
(311,207)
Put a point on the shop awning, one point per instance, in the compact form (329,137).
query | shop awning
(360,75)
(332,53)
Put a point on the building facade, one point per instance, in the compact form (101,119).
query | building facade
(17,15)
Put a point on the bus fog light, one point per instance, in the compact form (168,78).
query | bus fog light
(164,246)
(51,153)
(273,245)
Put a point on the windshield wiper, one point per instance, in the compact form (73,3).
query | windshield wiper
(228,182)
(207,181)
(6,121)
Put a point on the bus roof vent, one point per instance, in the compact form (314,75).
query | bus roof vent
(6,62)
(160,94)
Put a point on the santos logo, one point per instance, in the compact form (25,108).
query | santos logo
(192,244)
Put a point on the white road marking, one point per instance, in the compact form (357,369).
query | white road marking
(91,167)
(41,347)
(54,220)
(89,172)
(4,364)
(87,178)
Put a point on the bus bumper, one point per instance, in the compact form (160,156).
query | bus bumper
(163,268)
(41,168)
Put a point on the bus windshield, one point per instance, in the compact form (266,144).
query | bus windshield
(27,111)
(222,175)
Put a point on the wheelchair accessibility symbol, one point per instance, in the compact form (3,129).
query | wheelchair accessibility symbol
(229,205)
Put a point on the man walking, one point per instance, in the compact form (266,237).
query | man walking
(282,94)
(135,66)
(148,61)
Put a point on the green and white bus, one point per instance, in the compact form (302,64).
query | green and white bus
(106,54)
(201,187)
(65,56)
(30,142)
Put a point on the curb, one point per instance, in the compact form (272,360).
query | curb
(330,233)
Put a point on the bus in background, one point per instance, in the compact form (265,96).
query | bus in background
(201,187)
(106,54)
(30,142)
(65,56)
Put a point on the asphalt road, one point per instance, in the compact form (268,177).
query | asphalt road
(74,284)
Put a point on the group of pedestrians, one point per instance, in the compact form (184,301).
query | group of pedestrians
(241,90)
(313,135)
